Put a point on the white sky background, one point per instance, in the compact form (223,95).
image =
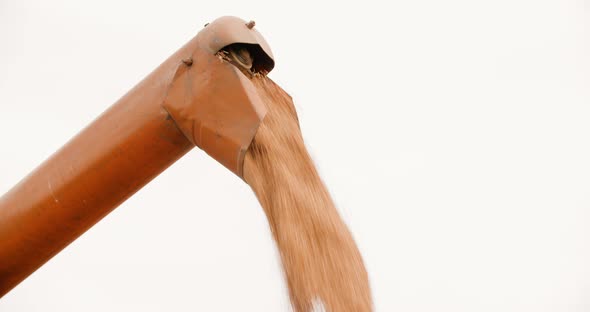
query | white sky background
(453,135)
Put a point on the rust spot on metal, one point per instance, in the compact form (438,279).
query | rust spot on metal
(188,61)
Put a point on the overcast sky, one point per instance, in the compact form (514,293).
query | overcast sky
(453,135)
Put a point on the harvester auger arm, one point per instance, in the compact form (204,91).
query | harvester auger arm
(201,96)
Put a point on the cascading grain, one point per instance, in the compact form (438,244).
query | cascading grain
(320,259)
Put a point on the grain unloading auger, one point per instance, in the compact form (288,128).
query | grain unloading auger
(201,96)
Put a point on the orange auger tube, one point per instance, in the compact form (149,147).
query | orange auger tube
(194,98)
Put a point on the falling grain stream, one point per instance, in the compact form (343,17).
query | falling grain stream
(321,262)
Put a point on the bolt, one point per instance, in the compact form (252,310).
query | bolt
(250,24)
(188,61)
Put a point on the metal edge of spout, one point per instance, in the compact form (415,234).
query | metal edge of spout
(228,30)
